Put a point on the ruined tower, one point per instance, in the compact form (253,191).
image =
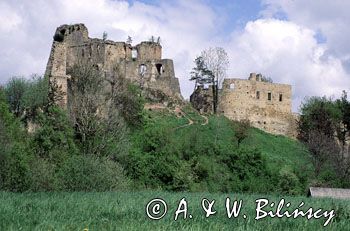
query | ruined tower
(267,106)
(141,64)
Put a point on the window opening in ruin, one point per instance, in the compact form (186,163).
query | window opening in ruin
(159,68)
(269,96)
(280,97)
(82,53)
(232,86)
(134,53)
(258,94)
(90,51)
(142,70)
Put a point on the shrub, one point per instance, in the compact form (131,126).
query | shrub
(289,183)
(15,153)
(43,176)
(54,139)
(89,173)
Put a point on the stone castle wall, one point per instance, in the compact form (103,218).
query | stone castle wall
(142,64)
(267,106)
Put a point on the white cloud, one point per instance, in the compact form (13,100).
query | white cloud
(8,19)
(289,53)
(185,29)
(285,50)
(330,18)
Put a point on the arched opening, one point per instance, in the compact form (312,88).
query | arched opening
(159,67)
(142,70)
(232,86)
(134,53)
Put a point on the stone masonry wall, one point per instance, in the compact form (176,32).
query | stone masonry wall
(142,64)
(266,105)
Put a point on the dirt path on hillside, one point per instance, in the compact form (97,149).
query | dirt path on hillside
(206,120)
(178,112)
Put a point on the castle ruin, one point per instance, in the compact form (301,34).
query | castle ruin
(268,106)
(141,64)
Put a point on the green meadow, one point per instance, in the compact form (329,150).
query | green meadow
(127,211)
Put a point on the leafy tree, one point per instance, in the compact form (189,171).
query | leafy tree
(54,139)
(35,97)
(323,127)
(241,130)
(210,69)
(319,114)
(322,148)
(99,126)
(200,74)
(130,103)
(216,60)
(15,153)
(15,89)
(25,97)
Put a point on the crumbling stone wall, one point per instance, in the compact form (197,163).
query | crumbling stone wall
(202,99)
(267,106)
(142,64)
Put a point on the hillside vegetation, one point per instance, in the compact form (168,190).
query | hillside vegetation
(173,148)
(173,153)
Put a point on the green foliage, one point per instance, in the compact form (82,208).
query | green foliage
(54,138)
(15,90)
(36,95)
(289,183)
(242,129)
(324,128)
(200,73)
(206,158)
(15,168)
(89,173)
(319,114)
(99,128)
(130,103)
(43,175)
(14,152)
(25,97)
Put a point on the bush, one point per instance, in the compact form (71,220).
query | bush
(15,153)
(15,89)
(54,139)
(15,169)
(43,176)
(88,173)
(25,97)
(288,183)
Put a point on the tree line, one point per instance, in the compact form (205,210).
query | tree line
(324,127)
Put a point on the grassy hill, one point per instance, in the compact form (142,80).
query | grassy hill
(205,151)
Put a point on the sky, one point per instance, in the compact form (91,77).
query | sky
(304,43)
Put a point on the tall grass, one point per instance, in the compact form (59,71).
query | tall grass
(126,211)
